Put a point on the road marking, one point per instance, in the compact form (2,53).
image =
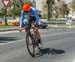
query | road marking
(56,34)
(8,32)
(12,42)
(41,36)
(18,31)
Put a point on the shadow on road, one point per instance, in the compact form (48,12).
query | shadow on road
(50,51)
(6,39)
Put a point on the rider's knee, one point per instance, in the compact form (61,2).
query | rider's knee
(35,30)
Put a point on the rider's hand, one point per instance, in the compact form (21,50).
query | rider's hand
(20,29)
(33,25)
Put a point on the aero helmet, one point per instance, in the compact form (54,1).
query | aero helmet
(26,7)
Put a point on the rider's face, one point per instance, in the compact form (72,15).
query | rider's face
(26,12)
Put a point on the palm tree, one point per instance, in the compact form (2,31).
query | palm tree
(14,8)
(2,12)
(72,5)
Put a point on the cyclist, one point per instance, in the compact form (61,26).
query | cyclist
(30,11)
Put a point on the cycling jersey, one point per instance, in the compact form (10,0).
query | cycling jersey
(32,12)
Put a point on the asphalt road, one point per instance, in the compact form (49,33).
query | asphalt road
(58,43)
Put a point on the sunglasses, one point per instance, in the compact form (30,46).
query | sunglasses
(26,11)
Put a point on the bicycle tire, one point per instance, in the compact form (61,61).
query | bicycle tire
(27,40)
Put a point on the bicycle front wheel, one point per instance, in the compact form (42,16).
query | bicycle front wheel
(30,44)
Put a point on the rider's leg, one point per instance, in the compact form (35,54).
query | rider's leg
(37,35)
(36,32)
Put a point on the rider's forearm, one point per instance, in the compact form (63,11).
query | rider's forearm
(20,23)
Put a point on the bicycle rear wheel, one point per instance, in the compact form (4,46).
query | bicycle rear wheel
(30,44)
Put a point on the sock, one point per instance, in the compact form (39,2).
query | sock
(39,40)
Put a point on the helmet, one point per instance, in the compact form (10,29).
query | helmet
(26,7)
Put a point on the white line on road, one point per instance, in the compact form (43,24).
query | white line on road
(41,36)
(12,42)
(54,34)
(16,31)
(8,32)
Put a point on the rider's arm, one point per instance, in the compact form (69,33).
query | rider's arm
(22,18)
(37,17)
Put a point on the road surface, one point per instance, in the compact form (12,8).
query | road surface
(59,44)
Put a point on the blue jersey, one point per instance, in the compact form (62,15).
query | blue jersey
(33,12)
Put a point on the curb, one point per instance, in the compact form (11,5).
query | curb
(61,26)
(17,28)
